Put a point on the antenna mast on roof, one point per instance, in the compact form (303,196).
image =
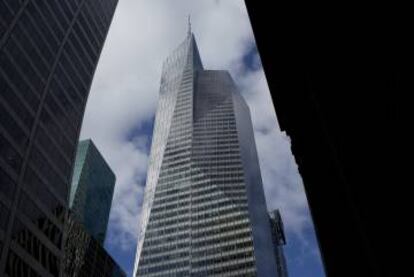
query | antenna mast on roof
(189,25)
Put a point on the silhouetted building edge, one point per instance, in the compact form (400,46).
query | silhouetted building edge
(335,74)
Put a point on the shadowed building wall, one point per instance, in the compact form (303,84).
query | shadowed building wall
(48,54)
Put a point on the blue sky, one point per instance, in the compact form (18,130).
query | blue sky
(120,113)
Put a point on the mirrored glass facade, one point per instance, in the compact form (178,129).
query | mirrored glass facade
(92,190)
(204,211)
(48,55)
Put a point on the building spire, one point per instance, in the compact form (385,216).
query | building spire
(189,25)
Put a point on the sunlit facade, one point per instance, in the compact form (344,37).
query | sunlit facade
(204,210)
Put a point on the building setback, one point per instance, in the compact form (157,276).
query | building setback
(48,54)
(204,210)
(92,190)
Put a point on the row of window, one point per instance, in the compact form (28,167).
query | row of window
(175,163)
(171,239)
(170,171)
(221,219)
(179,176)
(182,114)
(223,259)
(4,216)
(200,192)
(215,110)
(218,163)
(211,123)
(169,207)
(212,170)
(183,105)
(55,130)
(14,109)
(172,266)
(42,222)
(176,156)
(51,201)
(220,211)
(153,250)
(221,201)
(176,144)
(203,149)
(63,111)
(229,190)
(236,219)
(243,268)
(202,133)
(14,100)
(60,160)
(231,156)
(38,161)
(178,220)
(164,258)
(9,154)
(228,175)
(8,186)
(220,230)
(15,266)
(168,230)
(180,126)
(169,195)
(213,140)
(25,67)
(32,245)
(161,214)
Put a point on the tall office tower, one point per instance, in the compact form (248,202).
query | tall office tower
(279,240)
(48,55)
(92,190)
(204,210)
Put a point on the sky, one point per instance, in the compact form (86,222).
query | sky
(121,107)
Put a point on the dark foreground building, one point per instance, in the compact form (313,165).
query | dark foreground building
(85,256)
(204,211)
(48,54)
(336,73)
(92,190)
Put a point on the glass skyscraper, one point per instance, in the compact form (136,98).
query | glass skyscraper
(92,190)
(48,54)
(204,210)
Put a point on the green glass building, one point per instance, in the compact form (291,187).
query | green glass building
(92,190)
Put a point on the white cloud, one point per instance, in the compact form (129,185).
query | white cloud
(125,91)
(282,182)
